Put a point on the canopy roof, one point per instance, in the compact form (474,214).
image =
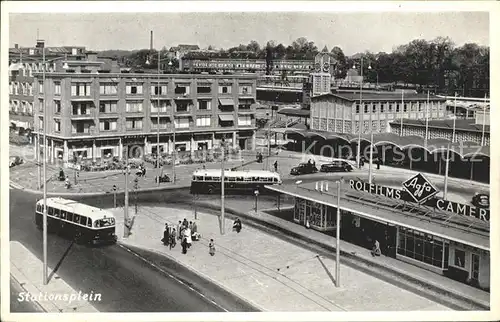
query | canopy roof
(463,149)
(294,112)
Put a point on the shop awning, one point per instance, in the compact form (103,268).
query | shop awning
(246,99)
(226,118)
(183,98)
(226,101)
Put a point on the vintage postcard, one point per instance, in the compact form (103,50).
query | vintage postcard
(249,161)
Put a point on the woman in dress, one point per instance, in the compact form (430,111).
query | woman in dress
(211,247)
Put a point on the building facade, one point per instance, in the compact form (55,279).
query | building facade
(23,62)
(344,112)
(209,63)
(95,115)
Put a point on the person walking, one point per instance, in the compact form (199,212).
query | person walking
(185,223)
(276,166)
(179,226)
(211,247)
(184,245)
(194,230)
(173,237)
(376,249)
(190,226)
(165,239)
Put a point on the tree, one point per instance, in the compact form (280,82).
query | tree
(253,46)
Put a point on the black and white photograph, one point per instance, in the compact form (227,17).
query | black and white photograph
(234,159)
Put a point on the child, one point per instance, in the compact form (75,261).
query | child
(211,247)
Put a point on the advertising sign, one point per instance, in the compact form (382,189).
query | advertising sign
(419,188)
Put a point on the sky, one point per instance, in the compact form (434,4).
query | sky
(352,31)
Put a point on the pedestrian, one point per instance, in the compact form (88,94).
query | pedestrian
(376,249)
(144,171)
(179,226)
(211,247)
(185,223)
(187,236)
(173,236)
(276,166)
(166,236)
(190,226)
(184,245)
(237,225)
(195,228)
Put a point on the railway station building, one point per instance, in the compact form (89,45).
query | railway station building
(410,223)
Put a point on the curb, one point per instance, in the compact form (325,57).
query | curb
(35,303)
(393,271)
(197,272)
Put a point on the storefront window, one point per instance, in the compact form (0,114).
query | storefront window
(315,218)
(459,258)
(422,247)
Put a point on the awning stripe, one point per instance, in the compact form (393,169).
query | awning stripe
(226,118)
(226,101)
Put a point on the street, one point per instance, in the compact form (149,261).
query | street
(126,283)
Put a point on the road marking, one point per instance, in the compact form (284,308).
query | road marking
(171,276)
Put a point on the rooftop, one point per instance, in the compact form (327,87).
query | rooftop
(378,96)
(460,124)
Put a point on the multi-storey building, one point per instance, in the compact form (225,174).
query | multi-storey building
(23,62)
(94,115)
(207,62)
(343,112)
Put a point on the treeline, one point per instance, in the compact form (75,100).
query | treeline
(438,64)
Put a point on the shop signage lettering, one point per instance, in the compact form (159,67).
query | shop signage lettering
(419,188)
(437,203)
(375,189)
(463,210)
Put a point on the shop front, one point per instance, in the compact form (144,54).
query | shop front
(411,225)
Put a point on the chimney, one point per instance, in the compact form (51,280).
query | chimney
(151,44)
(16,46)
(40,43)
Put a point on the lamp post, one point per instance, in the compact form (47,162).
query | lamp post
(337,257)
(256,192)
(222,203)
(361,118)
(370,165)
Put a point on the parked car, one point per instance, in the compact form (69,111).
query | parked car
(15,160)
(304,168)
(336,166)
(481,200)
(163,178)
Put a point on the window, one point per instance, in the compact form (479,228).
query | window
(244,120)
(69,216)
(162,106)
(57,107)
(182,106)
(460,258)
(50,211)
(181,123)
(374,108)
(390,107)
(204,89)
(134,124)
(134,107)
(163,122)
(357,108)
(107,107)
(203,121)
(204,105)
(56,212)
(89,222)
(405,108)
(81,108)
(135,89)
(40,88)
(57,125)
(80,89)
(83,220)
(245,90)
(108,88)
(182,89)
(397,108)
(107,125)
(225,89)
(366,108)
(158,90)
(62,214)
(422,247)
(57,88)
(382,106)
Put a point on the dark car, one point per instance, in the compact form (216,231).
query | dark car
(336,166)
(304,168)
(481,200)
(163,178)
(15,160)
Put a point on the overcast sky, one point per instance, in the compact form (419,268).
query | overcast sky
(353,32)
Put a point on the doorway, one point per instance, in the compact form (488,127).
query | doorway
(243,144)
(475,268)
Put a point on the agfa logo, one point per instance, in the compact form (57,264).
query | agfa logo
(419,188)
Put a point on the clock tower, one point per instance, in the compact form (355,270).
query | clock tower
(321,76)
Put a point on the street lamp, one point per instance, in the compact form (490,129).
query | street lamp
(370,165)
(158,89)
(222,209)
(256,192)
(361,118)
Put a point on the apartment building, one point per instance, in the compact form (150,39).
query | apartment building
(208,62)
(95,115)
(343,112)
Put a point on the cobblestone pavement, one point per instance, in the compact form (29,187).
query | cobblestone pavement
(268,272)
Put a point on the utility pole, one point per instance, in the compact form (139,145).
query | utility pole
(158,123)
(337,257)
(222,206)
(45,276)
(114,195)
(136,186)
(126,231)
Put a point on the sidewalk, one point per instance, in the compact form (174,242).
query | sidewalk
(56,296)
(358,253)
(268,272)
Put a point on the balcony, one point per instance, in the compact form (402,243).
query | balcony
(83,115)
